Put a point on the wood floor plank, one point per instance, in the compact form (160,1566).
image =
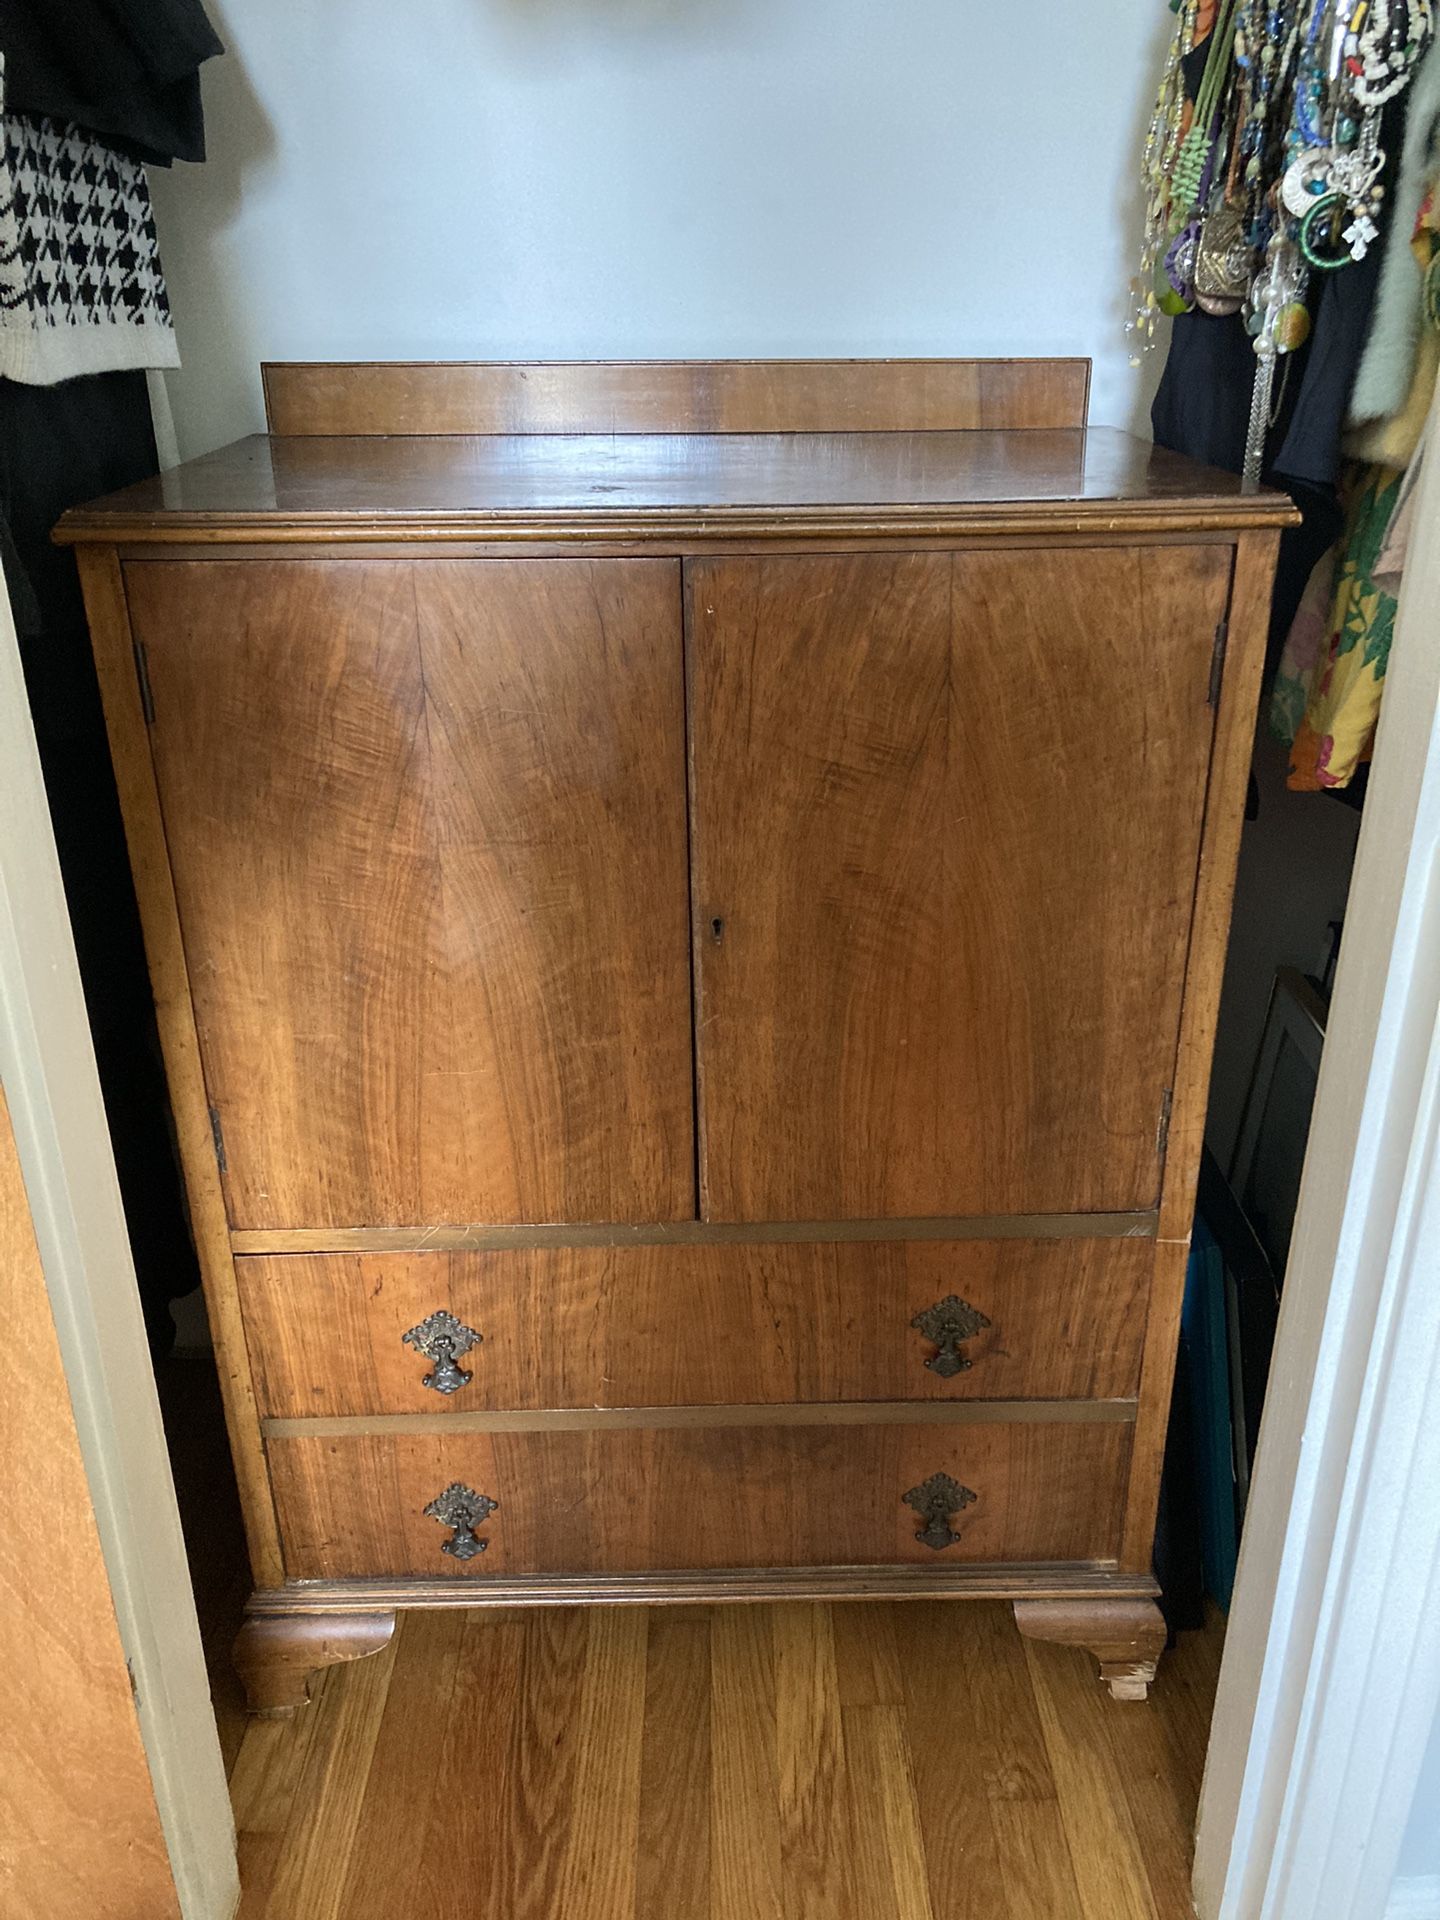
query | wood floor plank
(1011,1756)
(745,1875)
(810,1754)
(1160,1757)
(312,1881)
(867,1657)
(1040,1879)
(603,1825)
(265,1799)
(908,1762)
(467,1828)
(672,1867)
(398,1812)
(541,1785)
(951,1753)
(1105,1850)
(888,1847)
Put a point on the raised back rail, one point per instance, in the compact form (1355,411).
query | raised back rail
(672,396)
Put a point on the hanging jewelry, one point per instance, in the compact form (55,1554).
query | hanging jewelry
(1162,144)
(1277,293)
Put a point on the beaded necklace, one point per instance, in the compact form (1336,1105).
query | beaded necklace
(1162,146)
(1276,175)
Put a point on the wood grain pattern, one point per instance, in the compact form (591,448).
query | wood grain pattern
(79,1831)
(655,1326)
(428,831)
(113,643)
(817,1879)
(334,1779)
(672,1867)
(430,842)
(1090,1790)
(1249,618)
(670,492)
(671,396)
(426,1707)
(899,855)
(971,1747)
(1000,1783)
(1249,626)
(697,1498)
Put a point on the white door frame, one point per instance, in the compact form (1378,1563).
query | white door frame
(1331,1677)
(47,1067)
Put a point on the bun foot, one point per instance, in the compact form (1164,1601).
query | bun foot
(1127,1637)
(276,1654)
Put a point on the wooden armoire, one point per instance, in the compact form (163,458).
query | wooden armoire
(686,905)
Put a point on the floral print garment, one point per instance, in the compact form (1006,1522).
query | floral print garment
(1327,693)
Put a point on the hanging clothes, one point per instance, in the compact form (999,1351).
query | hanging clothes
(81,289)
(89,90)
(1326,699)
(59,446)
(127,71)
(1387,369)
(1327,692)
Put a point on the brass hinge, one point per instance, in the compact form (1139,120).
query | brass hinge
(142,674)
(1217,663)
(218,1137)
(1162,1132)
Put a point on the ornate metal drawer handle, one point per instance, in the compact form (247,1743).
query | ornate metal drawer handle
(463,1509)
(935,1500)
(443,1339)
(947,1323)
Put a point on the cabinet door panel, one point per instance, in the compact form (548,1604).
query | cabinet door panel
(947,812)
(427,825)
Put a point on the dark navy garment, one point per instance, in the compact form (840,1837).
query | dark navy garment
(127,70)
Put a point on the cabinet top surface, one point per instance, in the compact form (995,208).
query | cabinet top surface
(659,487)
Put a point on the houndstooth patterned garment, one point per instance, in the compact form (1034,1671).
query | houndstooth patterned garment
(81,290)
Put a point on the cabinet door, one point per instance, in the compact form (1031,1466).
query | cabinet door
(946,815)
(427,827)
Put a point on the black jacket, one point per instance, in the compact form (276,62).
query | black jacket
(127,70)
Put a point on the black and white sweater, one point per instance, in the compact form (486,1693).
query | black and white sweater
(81,290)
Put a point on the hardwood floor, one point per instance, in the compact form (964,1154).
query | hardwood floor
(866,1762)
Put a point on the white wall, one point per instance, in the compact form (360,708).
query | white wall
(612,178)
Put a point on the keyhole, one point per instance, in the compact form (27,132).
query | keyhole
(717,930)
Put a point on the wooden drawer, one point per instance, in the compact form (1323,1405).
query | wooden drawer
(629,1500)
(697,1325)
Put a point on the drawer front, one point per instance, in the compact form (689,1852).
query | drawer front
(651,1499)
(700,1325)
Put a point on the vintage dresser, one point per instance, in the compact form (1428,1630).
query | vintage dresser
(686,905)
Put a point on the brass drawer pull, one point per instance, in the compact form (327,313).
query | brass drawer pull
(947,1323)
(443,1339)
(463,1509)
(935,1500)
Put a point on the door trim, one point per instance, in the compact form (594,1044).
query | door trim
(1331,1676)
(48,1069)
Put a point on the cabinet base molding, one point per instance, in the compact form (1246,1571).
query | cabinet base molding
(278,1651)
(1069,1584)
(1127,1636)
